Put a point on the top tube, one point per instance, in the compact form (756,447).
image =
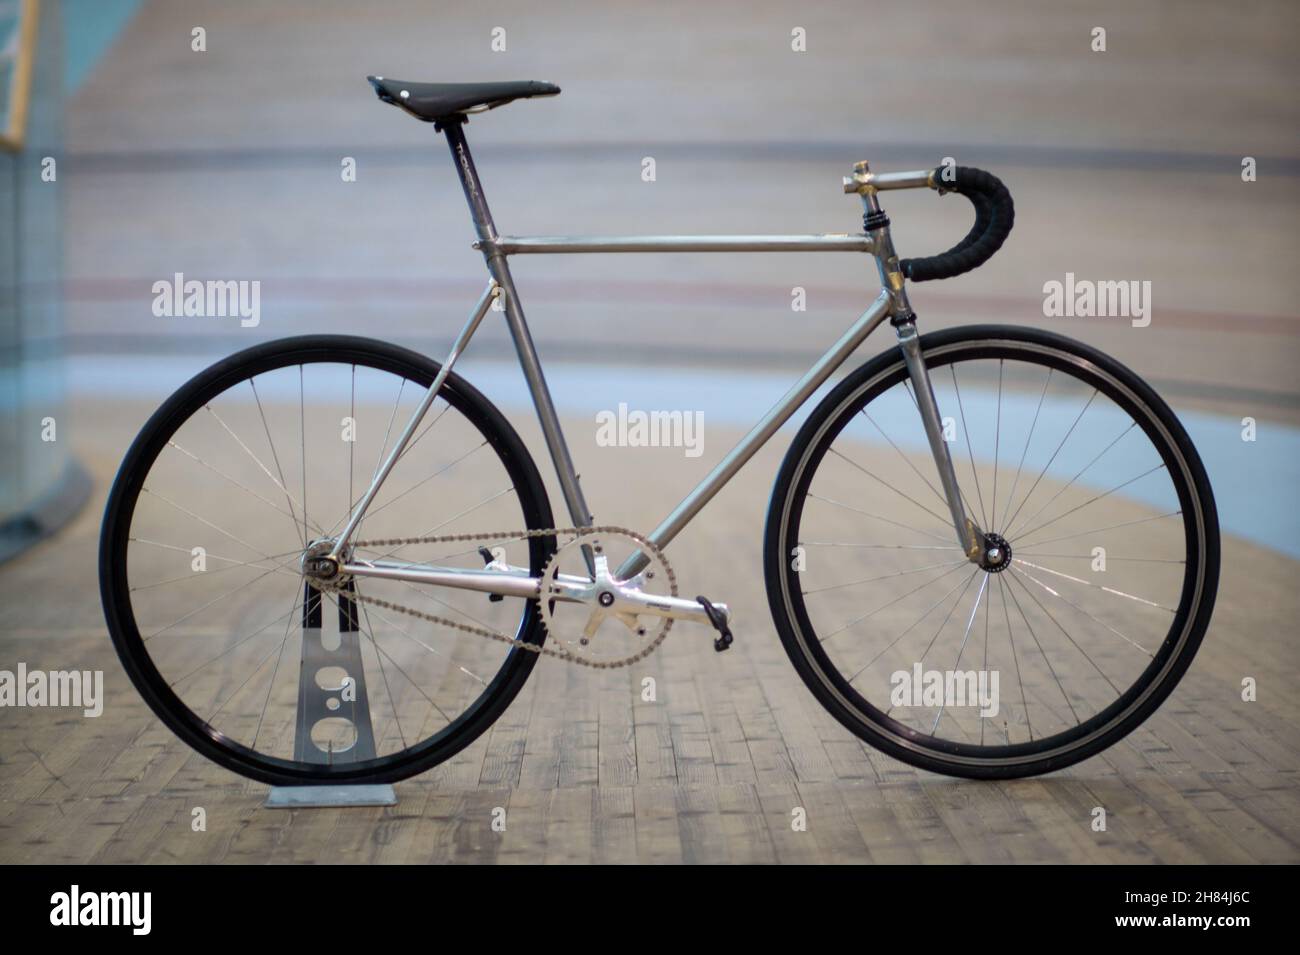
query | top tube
(550,244)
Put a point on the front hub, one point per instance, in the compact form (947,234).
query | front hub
(995,556)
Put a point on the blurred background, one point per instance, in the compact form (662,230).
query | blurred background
(225,163)
(141,140)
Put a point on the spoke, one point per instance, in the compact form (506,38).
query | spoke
(1102,623)
(200,575)
(960,650)
(1028,440)
(1066,633)
(1070,483)
(930,646)
(255,564)
(357,500)
(370,631)
(205,521)
(881,546)
(964,584)
(997,445)
(276,458)
(985,665)
(302,431)
(901,573)
(454,517)
(423,481)
(1086,405)
(416,440)
(872,613)
(1051,669)
(296,606)
(906,459)
(1089,583)
(228,593)
(943,623)
(970,451)
(256,459)
(419,689)
(379,461)
(257,669)
(217,471)
(937,517)
(1024,700)
(1143,560)
(406,450)
(388,431)
(877,517)
(288,626)
(434,650)
(1098,530)
(210,555)
(472,550)
(1093,500)
(352,445)
(464,613)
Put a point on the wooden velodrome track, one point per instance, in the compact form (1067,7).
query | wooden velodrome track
(1124,165)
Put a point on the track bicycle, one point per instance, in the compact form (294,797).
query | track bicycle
(990,551)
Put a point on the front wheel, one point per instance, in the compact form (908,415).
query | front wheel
(1105,531)
(201,549)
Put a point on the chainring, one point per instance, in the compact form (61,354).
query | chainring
(586,631)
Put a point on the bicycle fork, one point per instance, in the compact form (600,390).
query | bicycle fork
(969,536)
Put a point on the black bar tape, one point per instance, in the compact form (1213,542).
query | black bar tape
(995,213)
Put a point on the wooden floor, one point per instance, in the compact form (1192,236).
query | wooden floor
(711,772)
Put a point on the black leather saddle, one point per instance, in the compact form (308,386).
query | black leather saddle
(439,102)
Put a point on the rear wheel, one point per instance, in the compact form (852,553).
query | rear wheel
(1102,528)
(208,519)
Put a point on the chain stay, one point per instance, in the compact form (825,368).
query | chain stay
(574,532)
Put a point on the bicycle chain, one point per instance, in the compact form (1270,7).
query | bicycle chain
(575,532)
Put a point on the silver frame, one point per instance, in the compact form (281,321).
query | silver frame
(891,303)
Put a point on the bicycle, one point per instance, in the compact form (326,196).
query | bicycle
(1104,556)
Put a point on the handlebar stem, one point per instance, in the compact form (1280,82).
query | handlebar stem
(882,245)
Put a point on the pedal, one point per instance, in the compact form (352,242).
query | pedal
(719,622)
(488,560)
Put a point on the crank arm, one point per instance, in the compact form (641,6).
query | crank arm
(627,600)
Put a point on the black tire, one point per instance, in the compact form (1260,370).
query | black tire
(1170,661)
(115,589)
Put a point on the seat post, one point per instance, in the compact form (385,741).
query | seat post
(454,129)
(531,365)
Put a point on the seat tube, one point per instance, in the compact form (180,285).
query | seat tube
(499,269)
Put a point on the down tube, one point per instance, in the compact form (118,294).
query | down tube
(758,435)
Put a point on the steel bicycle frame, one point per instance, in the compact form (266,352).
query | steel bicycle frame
(891,303)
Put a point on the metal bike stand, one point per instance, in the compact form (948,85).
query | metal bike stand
(317,702)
